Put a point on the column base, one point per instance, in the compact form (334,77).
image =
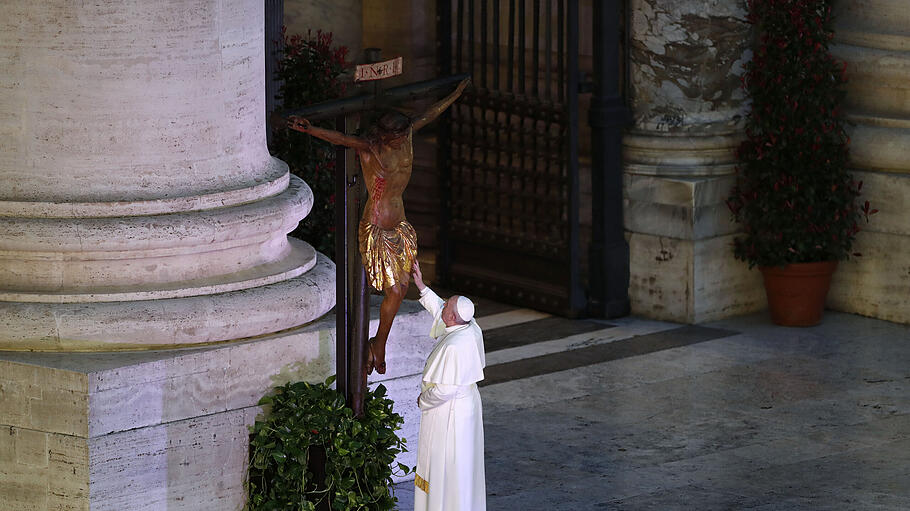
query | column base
(691,281)
(158,430)
(170,322)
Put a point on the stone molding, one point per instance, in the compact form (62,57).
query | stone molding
(169,323)
(689,155)
(275,181)
(92,255)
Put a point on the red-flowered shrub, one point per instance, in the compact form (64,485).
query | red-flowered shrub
(795,199)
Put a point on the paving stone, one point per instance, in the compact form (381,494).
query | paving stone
(769,418)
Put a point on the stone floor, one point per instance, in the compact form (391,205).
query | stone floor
(738,414)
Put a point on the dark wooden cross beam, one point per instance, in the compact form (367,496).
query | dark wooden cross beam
(352,305)
(342,107)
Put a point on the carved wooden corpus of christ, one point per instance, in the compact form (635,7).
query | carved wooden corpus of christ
(387,242)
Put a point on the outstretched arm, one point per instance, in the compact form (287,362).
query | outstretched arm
(430,300)
(440,107)
(331,136)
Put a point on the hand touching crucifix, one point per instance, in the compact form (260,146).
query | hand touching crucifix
(387,242)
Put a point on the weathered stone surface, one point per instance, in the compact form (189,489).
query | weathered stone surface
(689,208)
(679,157)
(43,471)
(687,57)
(656,153)
(691,281)
(889,193)
(192,464)
(168,429)
(878,93)
(873,38)
(724,287)
(141,210)
(878,283)
(43,399)
(121,391)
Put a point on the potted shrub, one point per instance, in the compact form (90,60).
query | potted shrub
(794,197)
(308,452)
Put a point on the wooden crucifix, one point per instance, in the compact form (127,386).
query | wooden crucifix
(381,250)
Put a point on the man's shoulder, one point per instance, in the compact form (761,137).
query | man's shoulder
(465,336)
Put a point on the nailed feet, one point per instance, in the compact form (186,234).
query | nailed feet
(375,356)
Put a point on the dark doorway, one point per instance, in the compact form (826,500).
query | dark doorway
(509,162)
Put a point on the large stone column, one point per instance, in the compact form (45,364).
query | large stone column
(679,163)
(140,207)
(873,37)
(141,211)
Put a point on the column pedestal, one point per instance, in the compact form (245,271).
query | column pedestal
(679,162)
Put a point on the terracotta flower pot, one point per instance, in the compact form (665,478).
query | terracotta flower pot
(797,292)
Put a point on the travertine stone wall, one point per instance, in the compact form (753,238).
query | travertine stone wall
(144,431)
(687,106)
(873,37)
(139,206)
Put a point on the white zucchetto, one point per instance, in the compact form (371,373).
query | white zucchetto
(465,308)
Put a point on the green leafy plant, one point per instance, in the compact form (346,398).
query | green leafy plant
(794,197)
(309,451)
(310,70)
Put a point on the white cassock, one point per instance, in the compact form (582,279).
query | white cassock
(450,475)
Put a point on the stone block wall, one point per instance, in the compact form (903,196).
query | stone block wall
(873,37)
(156,430)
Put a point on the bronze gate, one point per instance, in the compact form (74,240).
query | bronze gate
(509,153)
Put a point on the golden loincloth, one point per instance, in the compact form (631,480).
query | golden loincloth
(388,254)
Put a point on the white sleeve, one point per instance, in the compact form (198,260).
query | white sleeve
(431,301)
(436,395)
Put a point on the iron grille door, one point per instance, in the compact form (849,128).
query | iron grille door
(509,153)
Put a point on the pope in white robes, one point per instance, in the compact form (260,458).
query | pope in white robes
(450,473)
